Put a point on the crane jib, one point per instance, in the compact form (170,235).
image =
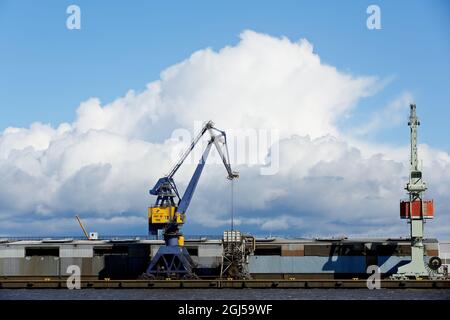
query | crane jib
(168,212)
(187,197)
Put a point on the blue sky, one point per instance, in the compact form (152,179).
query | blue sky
(46,70)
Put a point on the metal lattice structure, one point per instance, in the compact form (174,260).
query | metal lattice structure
(236,249)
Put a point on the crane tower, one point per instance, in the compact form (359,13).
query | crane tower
(415,209)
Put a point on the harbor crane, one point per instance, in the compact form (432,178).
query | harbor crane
(169,212)
(416,210)
(92,235)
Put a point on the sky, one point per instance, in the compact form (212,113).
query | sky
(87,116)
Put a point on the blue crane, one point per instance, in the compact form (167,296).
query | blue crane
(169,212)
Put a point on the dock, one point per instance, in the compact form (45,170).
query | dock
(54,283)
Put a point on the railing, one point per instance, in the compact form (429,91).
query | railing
(106,237)
(187,237)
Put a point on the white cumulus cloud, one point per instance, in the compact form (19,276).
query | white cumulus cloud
(103,163)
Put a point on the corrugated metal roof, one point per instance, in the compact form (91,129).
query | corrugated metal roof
(259,241)
(76,252)
(14,252)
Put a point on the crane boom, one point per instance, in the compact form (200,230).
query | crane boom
(187,197)
(225,156)
(175,168)
(82,227)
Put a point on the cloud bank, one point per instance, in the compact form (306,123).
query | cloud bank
(103,163)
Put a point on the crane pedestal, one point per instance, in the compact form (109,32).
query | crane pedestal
(416,267)
(171,262)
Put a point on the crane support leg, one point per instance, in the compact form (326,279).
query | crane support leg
(171,262)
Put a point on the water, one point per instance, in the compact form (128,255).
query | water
(225,294)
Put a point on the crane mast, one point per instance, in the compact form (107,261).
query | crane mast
(415,209)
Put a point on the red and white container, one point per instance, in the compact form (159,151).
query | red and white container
(419,209)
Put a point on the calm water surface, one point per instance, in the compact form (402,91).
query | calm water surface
(224,294)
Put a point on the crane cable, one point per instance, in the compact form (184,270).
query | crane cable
(232,204)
